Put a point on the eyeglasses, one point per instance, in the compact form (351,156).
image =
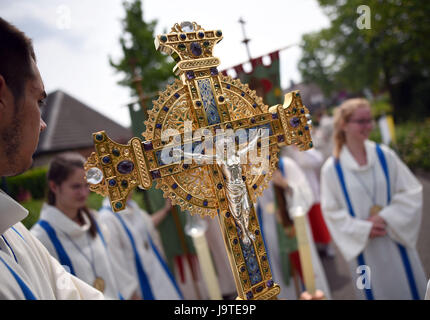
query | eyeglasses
(362,122)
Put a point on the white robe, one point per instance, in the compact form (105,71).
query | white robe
(91,253)
(141,227)
(215,240)
(39,271)
(301,196)
(310,162)
(388,277)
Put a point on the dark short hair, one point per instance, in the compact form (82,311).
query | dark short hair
(16,51)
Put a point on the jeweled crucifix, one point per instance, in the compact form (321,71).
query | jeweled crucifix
(210,103)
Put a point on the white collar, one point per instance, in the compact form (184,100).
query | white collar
(62,222)
(11,212)
(347,160)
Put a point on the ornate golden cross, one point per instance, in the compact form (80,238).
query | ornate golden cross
(209,102)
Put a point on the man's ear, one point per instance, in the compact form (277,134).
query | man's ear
(5,95)
(52,186)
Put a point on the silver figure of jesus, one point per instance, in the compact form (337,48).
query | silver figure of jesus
(236,191)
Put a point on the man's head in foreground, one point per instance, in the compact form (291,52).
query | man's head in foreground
(21,95)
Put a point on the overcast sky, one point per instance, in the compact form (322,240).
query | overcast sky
(74,39)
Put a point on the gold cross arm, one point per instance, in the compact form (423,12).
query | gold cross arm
(115,169)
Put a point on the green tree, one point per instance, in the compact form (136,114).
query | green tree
(145,70)
(393,55)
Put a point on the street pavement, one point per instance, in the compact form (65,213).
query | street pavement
(337,271)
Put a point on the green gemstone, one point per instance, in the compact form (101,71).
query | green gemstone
(206,44)
(311,144)
(294,110)
(115,152)
(181,46)
(297,94)
(99,137)
(118,205)
(300,133)
(163,38)
(219,33)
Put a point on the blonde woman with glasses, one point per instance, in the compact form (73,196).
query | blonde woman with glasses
(372,205)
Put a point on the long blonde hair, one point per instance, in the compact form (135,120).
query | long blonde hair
(342,114)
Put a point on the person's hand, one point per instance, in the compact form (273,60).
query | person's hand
(318,295)
(378,227)
(168,205)
(279,180)
(135,296)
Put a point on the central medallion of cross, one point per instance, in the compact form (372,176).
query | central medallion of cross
(200,110)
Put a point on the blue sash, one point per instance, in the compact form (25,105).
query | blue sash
(145,287)
(402,249)
(28,294)
(61,253)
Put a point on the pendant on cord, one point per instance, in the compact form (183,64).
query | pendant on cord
(99,284)
(374,210)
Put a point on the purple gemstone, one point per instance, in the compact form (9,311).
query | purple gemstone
(281,138)
(155,174)
(274,116)
(125,167)
(147,145)
(214,71)
(259,289)
(190,75)
(295,122)
(196,49)
(270,283)
(249,295)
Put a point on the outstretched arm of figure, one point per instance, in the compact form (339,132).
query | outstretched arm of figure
(251,145)
(198,157)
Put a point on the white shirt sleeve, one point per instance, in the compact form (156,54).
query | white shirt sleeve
(403,214)
(64,285)
(350,234)
(302,194)
(121,257)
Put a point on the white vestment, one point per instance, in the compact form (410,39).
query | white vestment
(143,232)
(23,259)
(301,196)
(393,273)
(89,256)
(427,297)
(215,240)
